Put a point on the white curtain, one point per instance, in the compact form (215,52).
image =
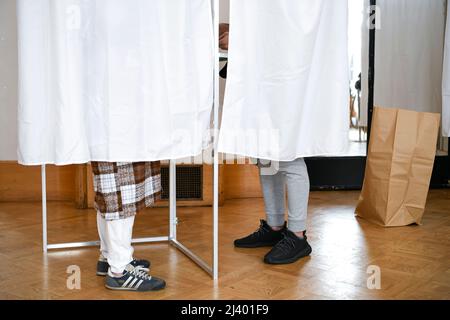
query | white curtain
(287,90)
(409,55)
(114,80)
(446,81)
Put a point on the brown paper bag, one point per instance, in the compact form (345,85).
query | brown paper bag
(399,165)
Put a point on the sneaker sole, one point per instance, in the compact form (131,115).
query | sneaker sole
(255,245)
(132,289)
(300,255)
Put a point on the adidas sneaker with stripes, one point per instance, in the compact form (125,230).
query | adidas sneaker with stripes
(134,279)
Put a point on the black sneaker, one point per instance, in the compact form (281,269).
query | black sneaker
(103,265)
(288,250)
(265,236)
(134,279)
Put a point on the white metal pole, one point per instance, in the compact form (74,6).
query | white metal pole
(216,154)
(44,208)
(173,200)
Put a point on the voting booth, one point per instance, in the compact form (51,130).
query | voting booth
(119,81)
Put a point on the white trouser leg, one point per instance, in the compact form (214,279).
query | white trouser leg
(115,238)
(101,227)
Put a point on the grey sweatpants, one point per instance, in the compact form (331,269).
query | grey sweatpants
(293,177)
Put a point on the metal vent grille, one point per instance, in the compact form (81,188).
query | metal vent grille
(189,182)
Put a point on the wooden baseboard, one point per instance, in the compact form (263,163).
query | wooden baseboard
(23,183)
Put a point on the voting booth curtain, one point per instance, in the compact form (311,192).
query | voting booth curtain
(114,80)
(409,55)
(287,90)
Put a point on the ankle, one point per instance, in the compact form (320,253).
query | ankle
(115,274)
(300,234)
(277,228)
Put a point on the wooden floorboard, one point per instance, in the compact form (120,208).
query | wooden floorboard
(414,261)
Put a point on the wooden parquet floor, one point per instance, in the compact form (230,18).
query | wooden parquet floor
(414,261)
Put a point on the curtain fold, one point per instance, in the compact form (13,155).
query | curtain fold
(287,90)
(114,80)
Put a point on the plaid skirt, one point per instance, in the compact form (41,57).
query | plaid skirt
(122,189)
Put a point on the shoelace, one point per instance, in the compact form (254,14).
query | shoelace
(141,268)
(260,231)
(141,273)
(286,244)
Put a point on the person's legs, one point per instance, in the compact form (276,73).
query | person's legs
(109,180)
(273,188)
(293,176)
(123,274)
(121,190)
(294,244)
(270,232)
(297,181)
(118,242)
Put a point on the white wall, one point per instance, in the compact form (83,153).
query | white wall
(8,80)
(224,10)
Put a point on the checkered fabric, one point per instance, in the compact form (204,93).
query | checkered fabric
(122,189)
